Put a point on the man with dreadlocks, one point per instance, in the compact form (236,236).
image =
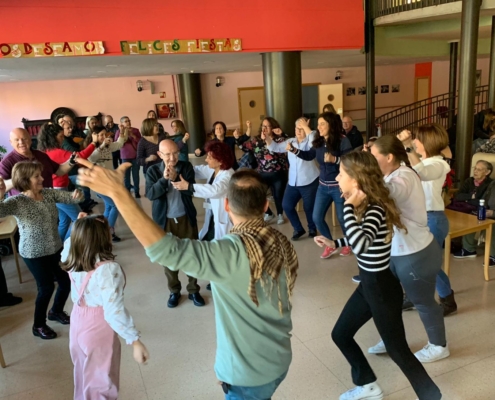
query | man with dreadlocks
(252,272)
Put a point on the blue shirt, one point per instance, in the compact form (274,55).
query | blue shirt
(301,172)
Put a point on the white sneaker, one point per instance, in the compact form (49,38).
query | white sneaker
(378,348)
(432,353)
(269,217)
(280,219)
(371,391)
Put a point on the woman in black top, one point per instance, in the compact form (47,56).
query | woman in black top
(370,215)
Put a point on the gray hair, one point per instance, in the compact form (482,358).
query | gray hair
(488,165)
(122,118)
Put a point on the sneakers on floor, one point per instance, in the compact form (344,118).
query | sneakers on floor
(356,279)
(378,348)
(432,353)
(327,253)
(346,251)
(463,253)
(491,264)
(407,304)
(371,391)
(269,217)
(280,219)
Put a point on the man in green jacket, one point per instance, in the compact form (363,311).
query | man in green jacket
(252,272)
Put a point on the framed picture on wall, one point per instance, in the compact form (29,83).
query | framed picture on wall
(395,88)
(351,91)
(362,90)
(166,110)
(385,88)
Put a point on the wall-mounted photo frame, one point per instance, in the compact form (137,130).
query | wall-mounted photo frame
(395,88)
(166,110)
(351,91)
(385,88)
(362,90)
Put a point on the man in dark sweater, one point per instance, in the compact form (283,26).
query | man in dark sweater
(174,210)
(352,133)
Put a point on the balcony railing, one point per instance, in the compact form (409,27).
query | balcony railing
(434,109)
(387,7)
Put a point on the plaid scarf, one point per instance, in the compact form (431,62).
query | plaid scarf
(268,251)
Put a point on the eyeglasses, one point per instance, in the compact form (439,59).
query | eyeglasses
(176,153)
(479,169)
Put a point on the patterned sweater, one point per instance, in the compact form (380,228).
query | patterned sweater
(267,161)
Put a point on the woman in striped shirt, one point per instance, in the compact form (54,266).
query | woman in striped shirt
(370,215)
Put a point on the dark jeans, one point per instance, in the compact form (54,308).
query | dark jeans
(379,296)
(292,196)
(325,196)
(276,181)
(45,270)
(116,159)
(85,190)
(135,175)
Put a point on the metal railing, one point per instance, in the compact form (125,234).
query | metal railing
(387,7)
(434,109)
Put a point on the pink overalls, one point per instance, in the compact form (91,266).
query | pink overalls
(94,349)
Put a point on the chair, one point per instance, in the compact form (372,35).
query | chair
(2,360)
(8,228)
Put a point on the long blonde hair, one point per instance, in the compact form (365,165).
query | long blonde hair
(363,167)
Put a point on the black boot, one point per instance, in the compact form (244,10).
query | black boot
(448,304)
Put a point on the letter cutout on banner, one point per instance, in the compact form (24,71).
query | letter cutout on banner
(52,49)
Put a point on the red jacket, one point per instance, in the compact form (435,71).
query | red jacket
(61,156)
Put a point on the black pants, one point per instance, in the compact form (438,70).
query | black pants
(45,270)
(276,181)
(379,296)
(3,283)
(116,159)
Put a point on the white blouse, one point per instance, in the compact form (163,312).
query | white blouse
(432,172)
(106,289)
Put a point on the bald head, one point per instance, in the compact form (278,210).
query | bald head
(246,194)
(20,139)
(169,152)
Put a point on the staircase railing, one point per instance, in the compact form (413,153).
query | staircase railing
(387,7)
(434,109)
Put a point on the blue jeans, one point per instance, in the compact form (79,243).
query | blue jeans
(67,214)
(439,227)
(264,392)
(292,196)
(84,189)
(135,175)
(111,213)
(325,196)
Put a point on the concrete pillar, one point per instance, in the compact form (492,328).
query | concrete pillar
(452,80)
(192,109)
(369,43)
(491,87)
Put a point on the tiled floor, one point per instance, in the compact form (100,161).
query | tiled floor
(182,341)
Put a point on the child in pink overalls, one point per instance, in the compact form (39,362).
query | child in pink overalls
(99,313)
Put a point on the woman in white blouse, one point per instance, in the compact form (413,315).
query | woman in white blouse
(303,177)
(99,313)
(426,155)
(416,256)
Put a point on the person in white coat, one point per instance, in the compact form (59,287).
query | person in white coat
(103,156)
(217,173)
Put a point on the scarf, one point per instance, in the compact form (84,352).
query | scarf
(268,251)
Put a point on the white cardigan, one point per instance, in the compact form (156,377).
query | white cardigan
(216,193)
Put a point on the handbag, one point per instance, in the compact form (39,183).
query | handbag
(462,206)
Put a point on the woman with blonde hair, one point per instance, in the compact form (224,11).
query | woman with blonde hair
(425,153)
(91,124)
(370,216)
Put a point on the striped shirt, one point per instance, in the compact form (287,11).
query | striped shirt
(367,238)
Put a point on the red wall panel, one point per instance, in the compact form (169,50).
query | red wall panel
(263,25)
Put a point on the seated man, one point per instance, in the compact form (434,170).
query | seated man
(474,187)
(469,242)
(352,132)
(252,272)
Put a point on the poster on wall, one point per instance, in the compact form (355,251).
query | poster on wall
(166,110)
(351,91)
(362,90)
(385,88)
(395,88)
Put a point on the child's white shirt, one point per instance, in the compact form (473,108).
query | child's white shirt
(106,289)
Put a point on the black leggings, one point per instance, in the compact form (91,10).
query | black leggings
(277,182)
(379,296)
(45,270)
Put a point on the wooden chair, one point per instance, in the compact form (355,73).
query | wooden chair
(2,360)
(8,228)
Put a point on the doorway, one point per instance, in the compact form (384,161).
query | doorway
(422,92)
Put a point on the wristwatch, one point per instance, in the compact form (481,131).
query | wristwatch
(408,149)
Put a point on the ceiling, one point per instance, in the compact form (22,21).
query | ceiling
(59,68)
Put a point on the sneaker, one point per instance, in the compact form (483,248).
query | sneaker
(298,234)
(356,279)
(269,217)
(407,304)
(280,219)
(115,238)
(378,348)
(346,251)
(327,253)
(371,391)
(491,264)
(432,353)
(463,253)
(312,234)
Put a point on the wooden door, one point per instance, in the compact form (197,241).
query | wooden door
(422,92)
(251,107)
